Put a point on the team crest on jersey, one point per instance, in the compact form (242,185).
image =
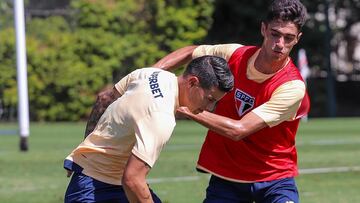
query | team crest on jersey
(243,101)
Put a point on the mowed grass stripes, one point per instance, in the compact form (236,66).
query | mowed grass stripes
(37,176)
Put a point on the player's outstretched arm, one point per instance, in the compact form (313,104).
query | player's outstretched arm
(134,181)
(231,128)
(176,59)
(104,99)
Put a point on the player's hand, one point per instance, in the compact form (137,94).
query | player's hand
(69,173)
(183,111)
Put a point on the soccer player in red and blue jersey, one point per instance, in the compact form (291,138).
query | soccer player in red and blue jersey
(250,147)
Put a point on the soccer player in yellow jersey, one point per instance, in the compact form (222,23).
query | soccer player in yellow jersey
(111,164)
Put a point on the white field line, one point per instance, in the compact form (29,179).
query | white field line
(173,179)
(179,147)
(301,171)
(329,170)
(8,132)
(328,142)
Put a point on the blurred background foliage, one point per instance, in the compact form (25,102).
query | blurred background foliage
(75,48)
(75,51)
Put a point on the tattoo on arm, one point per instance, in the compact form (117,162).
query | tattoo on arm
(104,99)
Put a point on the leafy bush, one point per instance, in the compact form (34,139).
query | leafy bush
(70,58)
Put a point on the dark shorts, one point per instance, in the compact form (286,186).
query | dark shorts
(277,191)
(85,189)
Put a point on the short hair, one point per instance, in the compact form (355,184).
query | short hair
(212,71)
(287,10)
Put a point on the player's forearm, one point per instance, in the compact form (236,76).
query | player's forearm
(137,191)
(231,128)
(103,100)
(219,124)
(176,59)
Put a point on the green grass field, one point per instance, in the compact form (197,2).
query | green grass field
(37,176)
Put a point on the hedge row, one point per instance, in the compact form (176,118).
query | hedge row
(70,58)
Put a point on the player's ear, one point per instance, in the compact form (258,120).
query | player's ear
(193,81)
(298,37)
(263,28)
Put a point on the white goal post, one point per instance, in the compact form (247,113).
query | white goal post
(23,100)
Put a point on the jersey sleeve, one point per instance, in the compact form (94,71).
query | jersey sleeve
(221,50)
(283,104)
(122,85)
(152,132)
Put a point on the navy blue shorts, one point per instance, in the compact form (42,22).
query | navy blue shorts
(277,191)
(85,189)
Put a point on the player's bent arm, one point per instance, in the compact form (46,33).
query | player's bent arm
(221,50)
(104,99)
(134,181)
(283,104)
(176,58)
(231,128)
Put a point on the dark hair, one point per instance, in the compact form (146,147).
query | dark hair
(211,71)
(287,10)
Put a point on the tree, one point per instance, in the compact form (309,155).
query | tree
(73,55)
(239,21)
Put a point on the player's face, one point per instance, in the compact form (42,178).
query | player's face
(279,38)
(200,99)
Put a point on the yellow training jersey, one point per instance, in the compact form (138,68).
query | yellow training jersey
(139,122)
